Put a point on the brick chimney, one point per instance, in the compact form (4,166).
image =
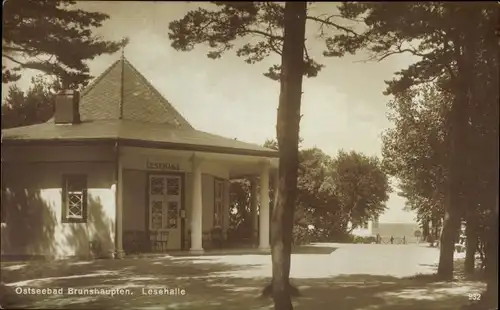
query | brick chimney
(67,109)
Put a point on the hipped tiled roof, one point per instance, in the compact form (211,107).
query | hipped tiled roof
(122,105)
(122,92)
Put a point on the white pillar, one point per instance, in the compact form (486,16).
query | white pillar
(119,253)
(264,209)
(197,208)
(254,196)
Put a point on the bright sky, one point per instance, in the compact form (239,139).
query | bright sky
(343,108)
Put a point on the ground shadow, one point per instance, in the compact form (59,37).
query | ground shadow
(205,288)
(210,253)
(312,249)
(459,271)
(29,224)
(303,249)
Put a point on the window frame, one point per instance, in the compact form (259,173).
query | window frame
(65,195)
(218,217)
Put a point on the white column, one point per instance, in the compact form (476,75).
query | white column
(119,213)
(254,196)
(264,209)
(197,208)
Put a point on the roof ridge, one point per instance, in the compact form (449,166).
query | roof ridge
(122,86)
(99,78)
(164,102)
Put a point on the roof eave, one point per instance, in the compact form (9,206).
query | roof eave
(142,143)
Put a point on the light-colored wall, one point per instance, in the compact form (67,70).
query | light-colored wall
(33,221)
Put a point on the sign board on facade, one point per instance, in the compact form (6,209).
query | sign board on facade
(162,166)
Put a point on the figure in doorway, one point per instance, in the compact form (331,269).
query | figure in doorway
(392,240)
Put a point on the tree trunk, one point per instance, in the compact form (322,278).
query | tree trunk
(465,54)
(492,165)
(491,253)
(447,246)
(425,230)
(458,124)
(471,243)
(433,237)
(287,129)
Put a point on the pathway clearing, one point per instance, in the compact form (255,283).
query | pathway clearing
(344,276)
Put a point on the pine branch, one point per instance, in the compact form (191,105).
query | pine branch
(268,35)
(327,21)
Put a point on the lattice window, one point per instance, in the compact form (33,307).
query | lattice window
(74,198)
(157,185)
(172,214)
(218,202)
(173,185)
(156,214)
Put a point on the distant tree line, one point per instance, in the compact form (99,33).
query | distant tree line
(34,106)
(332,191)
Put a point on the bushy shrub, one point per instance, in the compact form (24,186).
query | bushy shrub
(358,239)
(342,237)
(371,240)
(301,235)
(364,240)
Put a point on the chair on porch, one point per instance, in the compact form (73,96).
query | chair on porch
(158,240)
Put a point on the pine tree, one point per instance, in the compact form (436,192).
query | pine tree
(53,37)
